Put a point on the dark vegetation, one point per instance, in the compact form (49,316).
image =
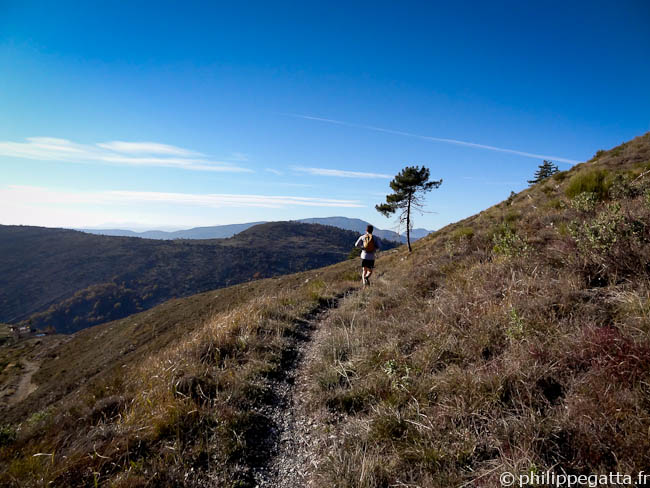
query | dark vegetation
(70,280)
(5,333)
(515,340)
(409,186)
(545,170)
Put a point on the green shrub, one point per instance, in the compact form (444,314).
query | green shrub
(601,233)
(623,186)
(594,181)
(508,243)
(7,435)
(515,329)
(463,233)
(398,373)
(611,246)
(38,417)
(584,202)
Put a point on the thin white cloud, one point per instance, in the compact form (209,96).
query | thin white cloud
(437,139)
(33,195)
(115,152)
(147,148)
(274,171)
(339,172)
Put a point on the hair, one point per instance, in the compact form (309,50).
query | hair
(369,229)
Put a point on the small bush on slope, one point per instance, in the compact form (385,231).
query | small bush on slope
(593,181)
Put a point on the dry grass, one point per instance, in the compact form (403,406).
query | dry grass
(516,340)
(484,352)
(188,414)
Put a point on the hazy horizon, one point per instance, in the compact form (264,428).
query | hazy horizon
(135,227)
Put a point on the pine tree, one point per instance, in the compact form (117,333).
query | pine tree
(409,185)
(544,170)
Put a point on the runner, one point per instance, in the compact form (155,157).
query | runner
(369,245)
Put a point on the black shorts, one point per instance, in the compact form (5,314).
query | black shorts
(368,263)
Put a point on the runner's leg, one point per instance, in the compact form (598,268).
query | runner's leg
(365,273)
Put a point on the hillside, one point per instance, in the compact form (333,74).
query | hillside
(517,340)
(71,280)
(224,231)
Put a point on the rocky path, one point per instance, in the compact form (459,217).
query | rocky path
(292,445)
(25,385)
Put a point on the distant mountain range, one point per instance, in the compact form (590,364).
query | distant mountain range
(71,280)
(215,232)
(225,231)
(359,226)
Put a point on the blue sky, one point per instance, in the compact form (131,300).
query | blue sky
(179,114)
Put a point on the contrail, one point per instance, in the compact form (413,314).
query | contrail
(437,139)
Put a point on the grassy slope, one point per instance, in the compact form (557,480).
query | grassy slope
(514,340)
(130,396)
(72,280)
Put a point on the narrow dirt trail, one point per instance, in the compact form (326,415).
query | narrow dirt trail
(292,446)
(25,385)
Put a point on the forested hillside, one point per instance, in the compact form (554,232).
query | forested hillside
(71,280)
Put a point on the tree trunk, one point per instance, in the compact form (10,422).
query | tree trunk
(408,224)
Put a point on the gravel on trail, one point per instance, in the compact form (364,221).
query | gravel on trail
(292,445)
